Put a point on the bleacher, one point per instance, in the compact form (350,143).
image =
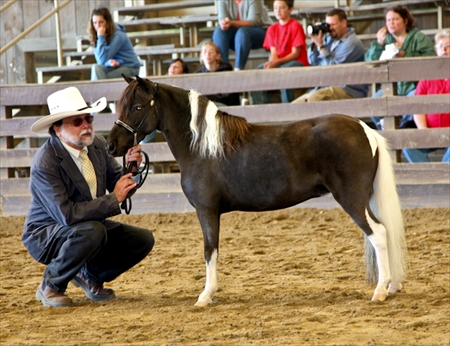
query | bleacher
(21,105)
(158,24)
(420,185)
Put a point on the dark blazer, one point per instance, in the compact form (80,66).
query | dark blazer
(61,197)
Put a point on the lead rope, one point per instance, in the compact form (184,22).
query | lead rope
(139,174)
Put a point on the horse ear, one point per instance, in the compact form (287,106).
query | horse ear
(127,78)
(142,82)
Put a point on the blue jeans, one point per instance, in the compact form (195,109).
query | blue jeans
(287,95)
(240,40)
(421,155)
(102,252)
(105,72)
(376,119)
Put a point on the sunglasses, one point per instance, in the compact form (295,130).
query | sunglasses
(79,121)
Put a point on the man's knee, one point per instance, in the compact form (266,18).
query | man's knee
(93,231)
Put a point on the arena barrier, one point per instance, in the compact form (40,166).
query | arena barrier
(419,184)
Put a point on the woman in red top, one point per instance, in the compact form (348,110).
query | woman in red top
(432,87)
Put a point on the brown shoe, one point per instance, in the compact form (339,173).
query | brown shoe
(48,297)
(92,290)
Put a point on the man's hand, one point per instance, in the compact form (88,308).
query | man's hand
(124,185)
(134,155)
(317,39)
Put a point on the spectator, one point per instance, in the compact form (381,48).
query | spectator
(242,27)
(178,66)
(403,40)
(340,46)
(113,50)
(211,62)
(286,42)
(67,226)
(431,87)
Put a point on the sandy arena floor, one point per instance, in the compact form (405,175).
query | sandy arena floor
(289,277)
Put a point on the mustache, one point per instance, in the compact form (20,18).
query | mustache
(86,131)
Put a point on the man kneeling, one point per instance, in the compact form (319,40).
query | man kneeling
(67,227)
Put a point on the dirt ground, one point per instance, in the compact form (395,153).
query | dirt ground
(289,277)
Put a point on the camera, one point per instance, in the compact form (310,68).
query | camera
(314,29)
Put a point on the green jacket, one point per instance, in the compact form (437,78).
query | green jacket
(416,44)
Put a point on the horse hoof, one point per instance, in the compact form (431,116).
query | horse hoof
(204,300)
(379,297)
(395,289)
(202,303)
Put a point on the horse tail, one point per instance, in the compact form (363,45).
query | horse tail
(385,205)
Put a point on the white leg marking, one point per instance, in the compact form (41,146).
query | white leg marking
(379,241)
(211,284)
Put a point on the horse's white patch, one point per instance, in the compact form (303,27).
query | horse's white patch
(193,102)
(370,134)
(210,140)
(211,284)
(379,241)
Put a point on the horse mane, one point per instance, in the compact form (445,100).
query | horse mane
(214,133)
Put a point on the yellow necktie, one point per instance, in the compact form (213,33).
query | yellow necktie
(89,173)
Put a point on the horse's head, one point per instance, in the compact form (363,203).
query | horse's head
(137,115)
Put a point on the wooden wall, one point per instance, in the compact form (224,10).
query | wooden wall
(75,16)
(421,184)
(24,13)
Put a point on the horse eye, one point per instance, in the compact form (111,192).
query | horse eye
(138,108)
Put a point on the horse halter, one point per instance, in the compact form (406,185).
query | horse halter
(132,166)
(135,131)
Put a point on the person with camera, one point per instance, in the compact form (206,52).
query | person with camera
(333,42)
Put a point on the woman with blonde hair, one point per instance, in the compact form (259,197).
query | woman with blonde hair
(212,62)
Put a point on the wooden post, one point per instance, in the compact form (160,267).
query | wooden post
(58,35)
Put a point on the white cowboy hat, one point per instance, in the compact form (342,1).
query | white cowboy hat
(66,103)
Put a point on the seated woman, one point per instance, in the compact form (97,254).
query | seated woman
(402,38)
(113,50)
(430,87)
(211,62)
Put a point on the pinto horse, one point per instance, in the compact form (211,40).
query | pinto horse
(227,164)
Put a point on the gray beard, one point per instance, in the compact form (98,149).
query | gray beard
(77,140)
